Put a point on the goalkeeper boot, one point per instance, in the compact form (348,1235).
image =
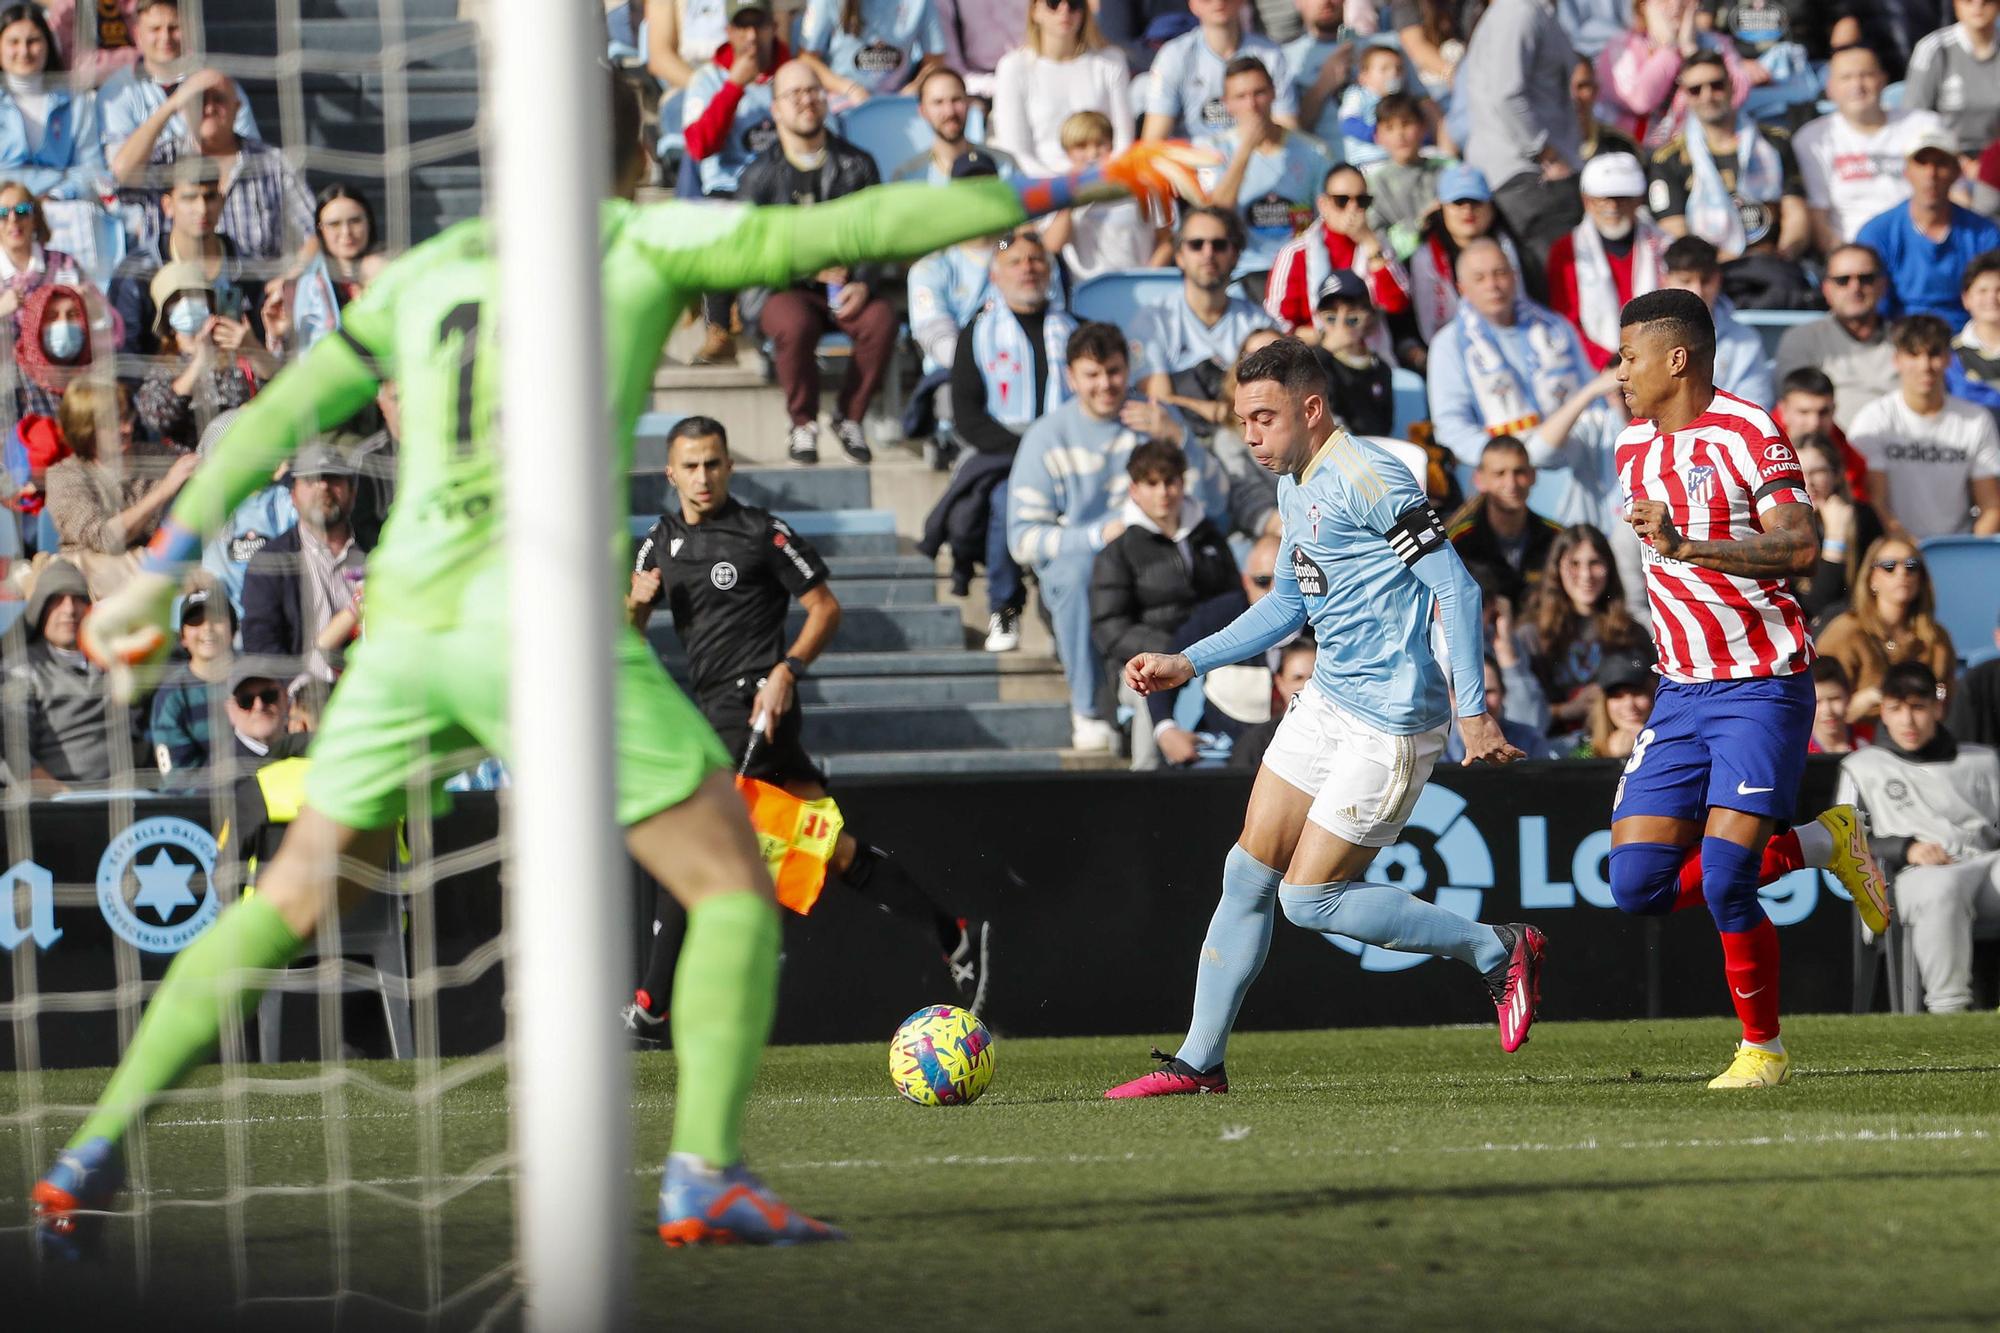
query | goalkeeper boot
(706,1205)
(1853,864)
(1173,1078)
(1754,1068)
(69,1201)
(1516,985)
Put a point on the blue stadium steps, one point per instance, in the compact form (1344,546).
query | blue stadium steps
(907,687)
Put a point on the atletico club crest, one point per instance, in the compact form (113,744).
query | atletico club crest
(1700,481)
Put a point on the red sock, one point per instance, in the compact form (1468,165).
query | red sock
(1750,960)
(1781,858)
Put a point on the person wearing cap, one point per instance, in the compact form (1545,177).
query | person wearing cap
(1608,258)
(301,593)
(1927,241)
(1270,175)
(190,696)
(1063,67)
(210,361)
(943,105)
(260,517)
(1626,683)
(1852,157)
(1344,318)
(60,692)
(806,164)
(107,498)
(1184,99)
(1465,213)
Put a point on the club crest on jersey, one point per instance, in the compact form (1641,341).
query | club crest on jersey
(1312,518)
(1700,481)
(1312,579)
(723,575)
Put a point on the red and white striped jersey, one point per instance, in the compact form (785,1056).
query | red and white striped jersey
(1718,477)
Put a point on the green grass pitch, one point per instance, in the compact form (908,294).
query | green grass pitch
(1373,1178)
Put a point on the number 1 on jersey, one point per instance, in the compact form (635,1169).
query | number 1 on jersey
(464,320)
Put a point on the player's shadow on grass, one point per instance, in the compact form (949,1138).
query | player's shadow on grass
(1090,1214)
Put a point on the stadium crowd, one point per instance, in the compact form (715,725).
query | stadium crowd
(1467,192)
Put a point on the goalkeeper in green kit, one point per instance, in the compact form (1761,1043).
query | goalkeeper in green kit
(430,679)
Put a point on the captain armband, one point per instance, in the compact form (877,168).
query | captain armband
(1416,533)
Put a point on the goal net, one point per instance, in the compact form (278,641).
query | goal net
(369,1143)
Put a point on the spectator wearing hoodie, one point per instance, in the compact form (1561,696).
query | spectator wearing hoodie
(54,687)
(1169,566)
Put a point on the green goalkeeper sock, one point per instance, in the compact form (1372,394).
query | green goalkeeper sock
(725,992)
(184,1019)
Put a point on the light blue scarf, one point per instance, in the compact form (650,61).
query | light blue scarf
(1007,364)
(1711,212)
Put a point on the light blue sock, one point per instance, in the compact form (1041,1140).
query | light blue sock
(1379,915)
(1239,935)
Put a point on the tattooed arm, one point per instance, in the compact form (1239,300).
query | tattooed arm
(1787,546)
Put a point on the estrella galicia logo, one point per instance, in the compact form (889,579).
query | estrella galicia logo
(1441,850)
(154,884)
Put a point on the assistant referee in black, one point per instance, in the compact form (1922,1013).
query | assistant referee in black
(727,573)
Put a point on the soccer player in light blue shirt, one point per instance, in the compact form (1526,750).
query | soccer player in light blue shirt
(1364,562)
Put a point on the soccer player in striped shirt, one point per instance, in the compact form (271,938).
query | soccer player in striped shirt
(1715,491)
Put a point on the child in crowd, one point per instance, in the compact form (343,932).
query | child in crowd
(1381,74)
(1404,182)
(1097,238)
(1345,317)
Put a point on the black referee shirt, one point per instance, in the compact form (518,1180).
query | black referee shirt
(728,582)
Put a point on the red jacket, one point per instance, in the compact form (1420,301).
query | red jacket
(712,126)
(1292,289)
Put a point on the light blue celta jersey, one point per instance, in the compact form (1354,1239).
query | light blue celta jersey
(1364,560)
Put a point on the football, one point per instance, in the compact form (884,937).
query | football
(941,1056)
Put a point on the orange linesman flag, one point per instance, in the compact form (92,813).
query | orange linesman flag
(796,837)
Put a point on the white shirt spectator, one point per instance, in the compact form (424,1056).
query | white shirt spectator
(1107,236)
(1187,83)
(1929,462)
(1033,95)
(1167,339)
(1854,174)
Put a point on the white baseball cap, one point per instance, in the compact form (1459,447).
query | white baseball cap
(1613,176)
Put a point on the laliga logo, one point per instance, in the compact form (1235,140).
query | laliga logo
(1449,851)
(150,868)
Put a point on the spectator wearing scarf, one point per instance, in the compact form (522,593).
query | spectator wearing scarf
(1610,257)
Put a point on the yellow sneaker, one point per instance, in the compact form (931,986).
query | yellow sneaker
(1854,866)
(1753,1068)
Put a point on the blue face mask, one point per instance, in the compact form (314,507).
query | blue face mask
(62,340)
(189,315)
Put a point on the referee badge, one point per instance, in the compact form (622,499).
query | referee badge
(723,575)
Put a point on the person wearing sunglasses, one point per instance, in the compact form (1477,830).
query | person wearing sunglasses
(259,711)
(1736,184)
(1852,157)
(1893,620)
(1850,344)
(1932,458)
(1272,173)
(1182,349)
(1342,240)
(26,261)
(1064,66)
(1639,69)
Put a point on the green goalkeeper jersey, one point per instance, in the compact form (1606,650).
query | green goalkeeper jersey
(427,323)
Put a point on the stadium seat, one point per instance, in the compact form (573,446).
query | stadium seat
(1771,324)
(1407,387)
(888,129)
(1965,575)
(374,931)
(1117,296)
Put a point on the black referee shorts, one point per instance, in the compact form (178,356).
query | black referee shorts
(779,760)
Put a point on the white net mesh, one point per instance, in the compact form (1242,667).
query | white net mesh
(347,1184)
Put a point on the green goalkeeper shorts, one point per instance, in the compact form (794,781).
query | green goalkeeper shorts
(416,706)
